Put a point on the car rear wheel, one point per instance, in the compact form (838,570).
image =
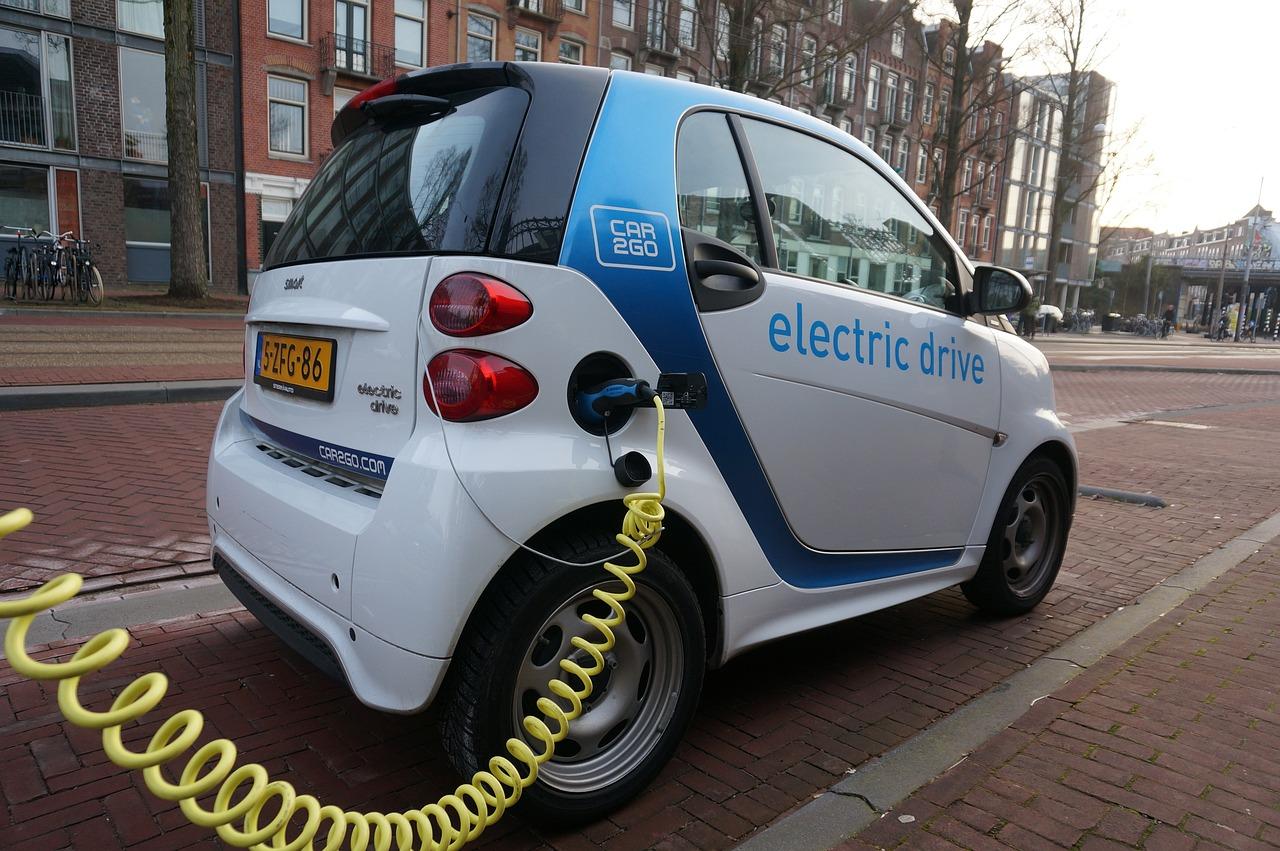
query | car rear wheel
(1028,539)
(641,703)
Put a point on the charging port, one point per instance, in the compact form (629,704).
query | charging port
(592,371)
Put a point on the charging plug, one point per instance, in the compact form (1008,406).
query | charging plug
(598,402)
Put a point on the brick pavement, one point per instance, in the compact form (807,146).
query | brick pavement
(1087,396)
(1171,742)
(774,726)
(102,348)
(118,492)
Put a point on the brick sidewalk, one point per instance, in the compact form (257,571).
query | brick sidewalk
(1087,396)
(774,726)
(1172,742)
(118,492)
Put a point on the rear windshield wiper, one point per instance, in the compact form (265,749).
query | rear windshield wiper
(385,107)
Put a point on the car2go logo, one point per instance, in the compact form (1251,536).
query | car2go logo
(632,239)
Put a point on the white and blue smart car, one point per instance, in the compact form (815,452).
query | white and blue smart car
(414,474)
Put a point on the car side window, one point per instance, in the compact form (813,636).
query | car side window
(836,219)
(711,186)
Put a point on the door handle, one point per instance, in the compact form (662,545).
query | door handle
(708,268)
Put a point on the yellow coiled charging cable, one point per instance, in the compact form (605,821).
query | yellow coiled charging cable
(449,823)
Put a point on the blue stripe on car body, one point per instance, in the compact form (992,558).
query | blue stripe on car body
(618,171)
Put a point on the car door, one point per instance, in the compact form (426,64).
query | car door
(871,405)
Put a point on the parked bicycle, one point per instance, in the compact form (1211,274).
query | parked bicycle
(43,266)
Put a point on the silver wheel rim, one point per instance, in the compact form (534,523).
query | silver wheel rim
(636,695)
(1030,536)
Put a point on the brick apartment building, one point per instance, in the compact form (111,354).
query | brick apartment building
(82,129)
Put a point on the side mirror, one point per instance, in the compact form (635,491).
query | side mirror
(998,290)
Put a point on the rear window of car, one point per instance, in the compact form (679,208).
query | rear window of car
(409,185)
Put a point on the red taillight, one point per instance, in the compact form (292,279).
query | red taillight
(476,386)
(377,90)
(469,304)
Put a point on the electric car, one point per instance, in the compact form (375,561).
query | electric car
(415,489)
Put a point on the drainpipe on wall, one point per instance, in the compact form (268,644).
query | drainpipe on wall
(242,272)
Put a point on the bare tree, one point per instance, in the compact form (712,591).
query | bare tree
(187,255)
(758,46)
(1072,48)
(970,66)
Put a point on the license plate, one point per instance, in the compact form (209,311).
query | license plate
(295,366)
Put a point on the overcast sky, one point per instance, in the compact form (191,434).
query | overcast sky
(1201,78)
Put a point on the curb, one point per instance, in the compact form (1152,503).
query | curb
(876,787)
(35,397)
(1134,367)
(126,314)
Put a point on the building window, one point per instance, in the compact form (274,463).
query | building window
(284,17)
(836,14)
(963,227)
(274,213)
(686,76)
(142,105)
(341,97)
(351,36)
(687,32)
(949,56)
(287,116)
(141,16)
(890,95)
(654,70)
(570,52)
(846,126)
(904,154)
(869,137)
(982,176)
(967,181)
(908,99)
(37,66)
(922,163)
(624,13)
(926,109)
(579,6)
(848,74)
(886,148)
(777,48)
(24,196)
(56,8)
(619,61)
(528,45)
(808,59)
(873,87)
(147,227)
(986,233)
(899,42)
(410,28)
(480,35)
(944,109)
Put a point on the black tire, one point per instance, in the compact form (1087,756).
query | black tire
(512,631)
(1027,541)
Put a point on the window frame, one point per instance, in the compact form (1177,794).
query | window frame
(873,87)
(617,54)
(160,36)
(492,38)
(958,273)
(305,104)
(516,47)
(120,51)
(630,5)
(306,22)
(422,48)
(581,47)
(898,41)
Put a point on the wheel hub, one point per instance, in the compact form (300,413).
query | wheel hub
(631,701)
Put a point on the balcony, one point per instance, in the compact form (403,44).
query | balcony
(355,57)
(152,147)
(656,39)
(22,119)
(542,10)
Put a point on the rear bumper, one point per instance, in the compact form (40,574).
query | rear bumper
(380,674)
(374,587)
